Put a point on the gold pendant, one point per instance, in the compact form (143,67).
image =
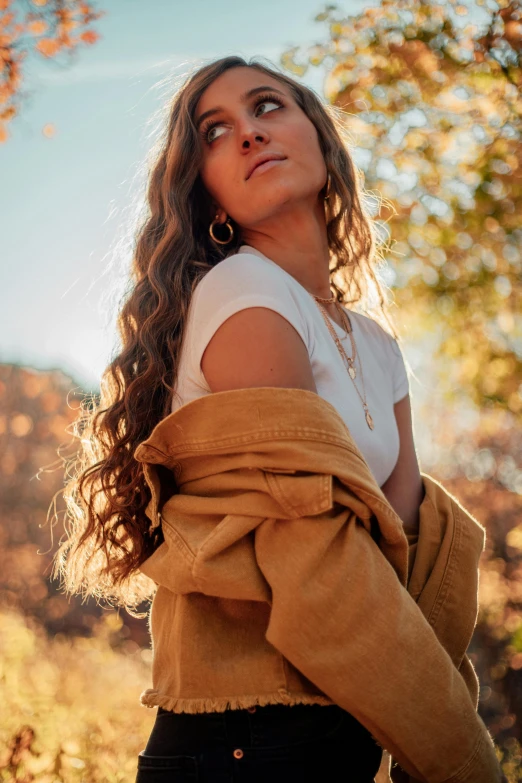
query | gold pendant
(352,372)
(369,420)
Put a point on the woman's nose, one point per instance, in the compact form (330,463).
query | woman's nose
(250,132)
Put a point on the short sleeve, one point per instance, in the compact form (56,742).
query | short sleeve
(236,283)
(401,385)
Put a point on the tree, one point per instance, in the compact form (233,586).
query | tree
(432,97)
(58,26)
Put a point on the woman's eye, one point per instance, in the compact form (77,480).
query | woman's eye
(263,103)
(213,125)
(206,133)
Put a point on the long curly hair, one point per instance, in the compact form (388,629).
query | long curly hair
(105,492)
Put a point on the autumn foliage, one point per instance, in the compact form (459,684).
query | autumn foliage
(51,29)
(431,94)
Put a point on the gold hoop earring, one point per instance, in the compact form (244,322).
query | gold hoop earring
(228,225)
(328,184)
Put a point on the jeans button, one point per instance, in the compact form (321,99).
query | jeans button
(238,753)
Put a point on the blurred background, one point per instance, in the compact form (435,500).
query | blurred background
(430,94)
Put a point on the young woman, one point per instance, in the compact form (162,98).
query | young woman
(255,237)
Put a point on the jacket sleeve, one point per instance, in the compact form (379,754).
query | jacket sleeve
(443,573)
(341,616)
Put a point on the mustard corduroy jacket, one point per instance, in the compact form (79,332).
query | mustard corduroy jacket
(285,577)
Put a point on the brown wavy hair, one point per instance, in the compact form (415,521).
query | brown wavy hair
(105,492)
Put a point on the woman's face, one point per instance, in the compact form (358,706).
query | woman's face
(246,127)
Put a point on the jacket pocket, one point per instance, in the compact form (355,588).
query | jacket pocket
(299,492)
(171,564)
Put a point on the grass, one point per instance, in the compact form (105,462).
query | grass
(70,707)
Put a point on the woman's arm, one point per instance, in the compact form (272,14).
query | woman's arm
(257,347)
(404,489)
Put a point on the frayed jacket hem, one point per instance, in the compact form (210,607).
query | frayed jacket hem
(153,698)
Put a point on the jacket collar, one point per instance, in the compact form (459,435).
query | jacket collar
(235,417)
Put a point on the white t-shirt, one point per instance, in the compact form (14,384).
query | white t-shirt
(250,279)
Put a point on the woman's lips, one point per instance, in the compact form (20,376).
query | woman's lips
(264,167)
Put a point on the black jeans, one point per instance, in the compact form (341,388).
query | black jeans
(296,744)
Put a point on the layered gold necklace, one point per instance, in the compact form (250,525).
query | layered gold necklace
(350,360)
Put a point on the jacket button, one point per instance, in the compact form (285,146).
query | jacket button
(251,709)
(238,753)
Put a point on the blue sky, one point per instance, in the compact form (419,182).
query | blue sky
(64,199)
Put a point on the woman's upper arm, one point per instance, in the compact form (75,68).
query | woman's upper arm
(404,489)
(257,347)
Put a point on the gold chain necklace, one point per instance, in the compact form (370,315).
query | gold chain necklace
(352,372)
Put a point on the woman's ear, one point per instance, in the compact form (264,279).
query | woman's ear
(219,213)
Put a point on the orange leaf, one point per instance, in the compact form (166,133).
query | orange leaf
(68,25)
(89,36)
(3,134)
(513,33)
(48,47)
(37,27)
